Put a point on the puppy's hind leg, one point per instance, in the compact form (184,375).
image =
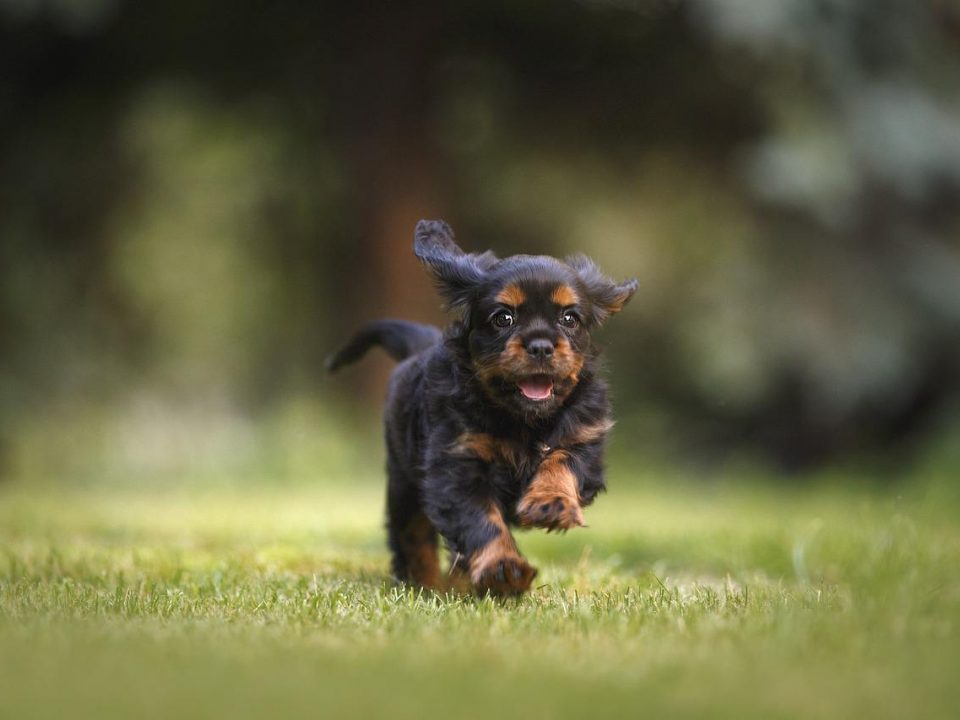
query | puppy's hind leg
(412,538)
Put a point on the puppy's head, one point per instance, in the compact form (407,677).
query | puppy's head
(527,318)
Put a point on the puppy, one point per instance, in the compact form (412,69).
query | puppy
(500,421)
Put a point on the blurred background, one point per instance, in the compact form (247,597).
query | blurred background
(199,200)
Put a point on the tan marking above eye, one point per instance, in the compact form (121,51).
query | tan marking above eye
(511,295)
(564,296)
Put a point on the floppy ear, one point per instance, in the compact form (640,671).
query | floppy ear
(606,296)
(457,274)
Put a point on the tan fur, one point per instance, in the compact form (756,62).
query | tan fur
(515,362)
(512,295)
(569,363)
(617,305)
(552,500)
(489,449)
(564,296)
(420,549)
(512,361)
(588,433)
(498,567)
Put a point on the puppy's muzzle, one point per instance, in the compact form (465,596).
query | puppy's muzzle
(539,349)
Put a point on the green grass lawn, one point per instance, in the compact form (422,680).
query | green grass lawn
(684,602)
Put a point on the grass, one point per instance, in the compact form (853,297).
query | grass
(685,602)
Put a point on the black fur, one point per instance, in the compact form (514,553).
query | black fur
(399,338)
(465,442)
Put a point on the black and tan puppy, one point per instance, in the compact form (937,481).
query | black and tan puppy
(499,421)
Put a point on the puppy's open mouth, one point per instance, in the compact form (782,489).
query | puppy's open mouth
(536,387)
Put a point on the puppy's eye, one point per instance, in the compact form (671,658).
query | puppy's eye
(503,319)
(569,319)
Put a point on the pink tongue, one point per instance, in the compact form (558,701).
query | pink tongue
(538,387)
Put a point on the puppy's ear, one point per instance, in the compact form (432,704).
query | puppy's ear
(458,275)
(606,296)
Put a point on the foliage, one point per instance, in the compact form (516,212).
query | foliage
(193,212)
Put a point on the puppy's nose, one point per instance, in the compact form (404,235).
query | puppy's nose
(540,348)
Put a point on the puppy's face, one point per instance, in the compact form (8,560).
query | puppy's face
(528,318)
(528,333)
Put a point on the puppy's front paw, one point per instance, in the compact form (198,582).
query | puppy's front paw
(504,576)
(553,512)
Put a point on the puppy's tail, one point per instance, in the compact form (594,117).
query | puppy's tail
(399,338)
